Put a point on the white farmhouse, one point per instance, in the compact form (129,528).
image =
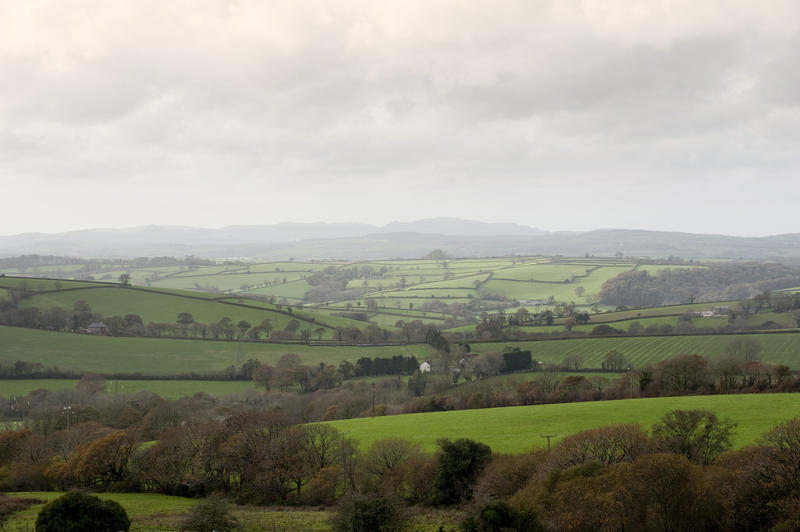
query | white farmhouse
(425,367)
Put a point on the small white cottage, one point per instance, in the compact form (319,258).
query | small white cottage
(425,367)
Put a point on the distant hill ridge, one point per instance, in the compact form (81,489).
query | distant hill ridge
(355,241)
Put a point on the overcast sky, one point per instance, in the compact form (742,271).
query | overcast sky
(561,115)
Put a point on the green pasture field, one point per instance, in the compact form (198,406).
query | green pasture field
(404,263)
(292,266)
(600,259)
(459,282)
(137,277)
(656,320)
(494,263)
(432,273)
(669,310)
(150,512)
(169,269)
(385,318)
(44,269)
(430,267)
(783,319)
(389,320)
(531,290)
(307,313)
(433,293)
(103,354)
(625,324)
(622,320)
(377,284)
(405,314)
(42,285)
(156,306)
(543,272)
(424,293)
(22,387)
(179,271)
(209,270)
(194,294)
(466,267)
(426,277)
(561,291)
(789,290)
(598,277)
(290,290)
(168,389)
(229,281)
(470,328)
(401,303)
(518,429)
(147,511)
(393,283)
(778,348)
(432,264)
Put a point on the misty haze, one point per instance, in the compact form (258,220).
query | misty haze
(399,266)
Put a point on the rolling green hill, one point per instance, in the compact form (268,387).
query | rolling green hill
(162,305)
(384,280)
(517,429)
(104,354)
(778,348)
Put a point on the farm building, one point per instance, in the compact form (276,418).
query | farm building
(98,327)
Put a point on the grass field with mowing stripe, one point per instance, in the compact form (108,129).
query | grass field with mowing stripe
(780,348)
(103,354)
(517,429)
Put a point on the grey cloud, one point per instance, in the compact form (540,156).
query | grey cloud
(372,95)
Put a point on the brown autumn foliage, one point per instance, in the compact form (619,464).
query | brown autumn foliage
(607,445)
(98,464)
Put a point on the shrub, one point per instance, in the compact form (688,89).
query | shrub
(506,474)
(697,434)
(212,514)
(605,330)
(607,445)
(498,516)
(322,489)
(368,513)
(460,462)
(78,512)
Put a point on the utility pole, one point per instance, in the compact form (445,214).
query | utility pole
(548,436)
(68,411)
(344,468)
(630,381)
